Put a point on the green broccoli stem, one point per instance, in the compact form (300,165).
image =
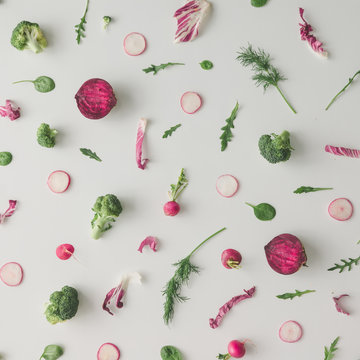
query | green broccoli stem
(98,227)
(283,96)
(32,43)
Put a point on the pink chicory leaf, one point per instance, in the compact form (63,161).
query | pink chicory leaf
(338,306)
(305,34)
(342,151)
(10,110)
(9,211)
(214,323)
(189,18)
(139,141)
(114,298)
(148,241)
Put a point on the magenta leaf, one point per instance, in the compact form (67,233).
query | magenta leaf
(9,211)
(214,323)
(338,306)
(139,141)
(342,151)
(10,110)
(148,241)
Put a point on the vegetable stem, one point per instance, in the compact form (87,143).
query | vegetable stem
(202,243)
(250,205)
(343,89)
(283,96)
(16,82)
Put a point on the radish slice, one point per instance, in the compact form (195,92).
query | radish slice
(340,209)
(108,351)
(58,181)
(227,185)
(64,251)
(290,331)
(190,102)
(11,274)
(134,44)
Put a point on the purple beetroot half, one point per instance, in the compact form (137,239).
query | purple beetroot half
(285,254)
(95,98)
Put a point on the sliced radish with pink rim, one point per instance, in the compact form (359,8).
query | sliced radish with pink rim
(290,331)
(190,102)
(134,44)
(11,274)
(65,251)
(227,185)
(340,209)
(108,351)
(58,181)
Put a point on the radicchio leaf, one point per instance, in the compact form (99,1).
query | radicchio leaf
(115,296)
(189,18)
(149,241)
(342,151)
(10,110)
(9,211)
(139,140)
(338,306)
(214,323)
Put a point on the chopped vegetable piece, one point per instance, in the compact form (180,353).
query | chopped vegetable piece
(11,274)
(330,353)
(46,136)
(65,251)
(275,148)
(236,349)
(141,163)
(80,28)
(5,158)
(10,110)
(9,211)
(134,44)
(227,134)
(169,352)
(340,209)
(307,189)
(346,264)
(114,297)
(172,290)
(106,21)
(258,3)
(59,181)
(188,19)
(227,185)
(90,154)
(231,259)
(42,84)
(206,65)
(265,74)
(148,241)
(290,331)
(293,295)
(305,34)
(52,352)
(156,68)
(28,35)
(108,351)
(263,211)
(342,151)
(338,306)
(190,102)
(214,323)
(170,131)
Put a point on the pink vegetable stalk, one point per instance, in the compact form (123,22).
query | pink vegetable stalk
(189,18)
(10,110)
(305,33)
(148,241)
(114,297)
(342,151)
(338,306)
(139,141)
(214,323)
(9,211)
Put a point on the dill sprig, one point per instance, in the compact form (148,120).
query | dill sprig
(346,264)
(295,294)
(80,28)
(227,135)
(265,74)
(179,187)
(157,68)
(330,353)
(172,290)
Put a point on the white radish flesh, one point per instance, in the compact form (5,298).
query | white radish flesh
(134,44)
(227,185)
(11,274)
(340,209)
(58,181)
(290,331)
(190,102)
(108,351)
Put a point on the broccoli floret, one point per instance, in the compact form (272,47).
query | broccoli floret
(63,305)
(107,208)
(27,35)
(5,158)
(46,136)
(275,148)
(107,21)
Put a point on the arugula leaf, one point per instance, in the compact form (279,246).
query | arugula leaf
(52,352)
(170,353)
(263,211)
(227,135)
(90,154)
(80,28)
(307,189)
(330,353)
(292,295)
(346,264)
(156,68)
(170,131)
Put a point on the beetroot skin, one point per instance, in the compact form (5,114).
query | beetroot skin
(285,254)
(171,208)
(95,98)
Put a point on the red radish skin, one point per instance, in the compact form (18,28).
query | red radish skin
(171,208)
(290,331)
(59,181)
(134,44)
(236,349)
(65,251)
(227,185)
(190,102)
(95,98)
(340,209)
(231,259)
(11,274)
(108,351)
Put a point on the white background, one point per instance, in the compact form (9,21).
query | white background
(44,220)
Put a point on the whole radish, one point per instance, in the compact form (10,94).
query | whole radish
(231,259)
(171,208)
(236,349)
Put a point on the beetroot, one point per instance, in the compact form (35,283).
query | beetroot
(95,98)
(285,254)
